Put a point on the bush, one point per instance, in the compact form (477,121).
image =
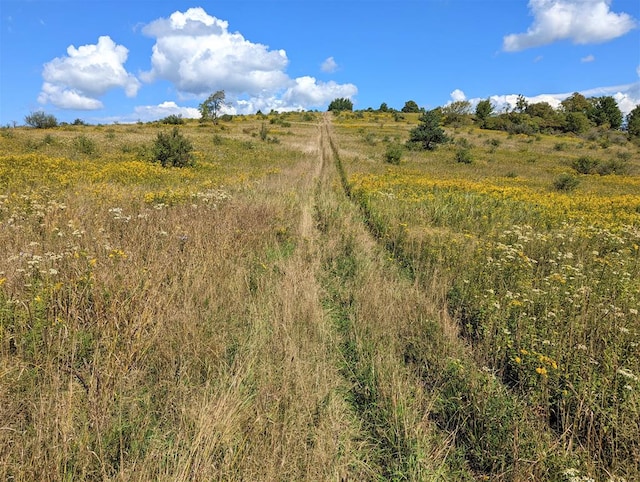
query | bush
(40,120)
(85,145)
(428,133)
(172,149)
(340,104)
(613,166)
(464,156)
(566,182)
(585,165)
(173,119)
(393,154)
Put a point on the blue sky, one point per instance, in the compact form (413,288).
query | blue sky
(124,61)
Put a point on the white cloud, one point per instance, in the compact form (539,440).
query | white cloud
(87,72)
(457,95)
(329,65)
(199,55)
(627,96)
(587,59)
(308,91)
(67,98)
(153,112)
(581,21)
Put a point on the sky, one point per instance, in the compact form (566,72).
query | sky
(141,60)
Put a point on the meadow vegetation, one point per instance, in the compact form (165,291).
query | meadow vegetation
(304,297)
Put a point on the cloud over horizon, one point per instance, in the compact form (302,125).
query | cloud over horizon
(581,21)
(77,80)
(627,97)
(199,55)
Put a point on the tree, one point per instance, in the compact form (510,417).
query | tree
(577,122)
(633,122)
(172,149)
(456,112)
(521,104)
(410,106)
(340,104)
(606,111)
(428,133)
(210,108)
(483,110)
(40,120)
(384,107)
(576,102)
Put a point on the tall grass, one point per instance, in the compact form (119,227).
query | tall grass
(544,285)
(303,310)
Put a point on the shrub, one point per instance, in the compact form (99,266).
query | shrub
(173,119)
(85,145)
(585,165)
(172,149)
(613,166)
(566,182)
(393,154)
(370,138)
(40,120)
(340,104)
(464,156)
(428,133)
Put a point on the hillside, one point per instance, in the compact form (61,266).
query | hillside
(293,307)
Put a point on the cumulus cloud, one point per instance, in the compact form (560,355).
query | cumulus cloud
(627,96)
(587,59)
(329,65)
(308,91)
(152,112)
(581,21)
(76,80)
(457,96)
(199,55)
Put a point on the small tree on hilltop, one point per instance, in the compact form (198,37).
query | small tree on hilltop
(410,106)
(428,133)
(210,108)
(340,104)
(484,109)
(40,120)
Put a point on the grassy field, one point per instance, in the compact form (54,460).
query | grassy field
(295,308)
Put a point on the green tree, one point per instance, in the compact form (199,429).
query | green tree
(633,122)
(456,112)
(606,111)
(172,149)
(40,120)
(577,122)
(340,104)
(576,102)
(521,104)
(210,108)
(410,106)
(384,107)
(484,109)
(428,133)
